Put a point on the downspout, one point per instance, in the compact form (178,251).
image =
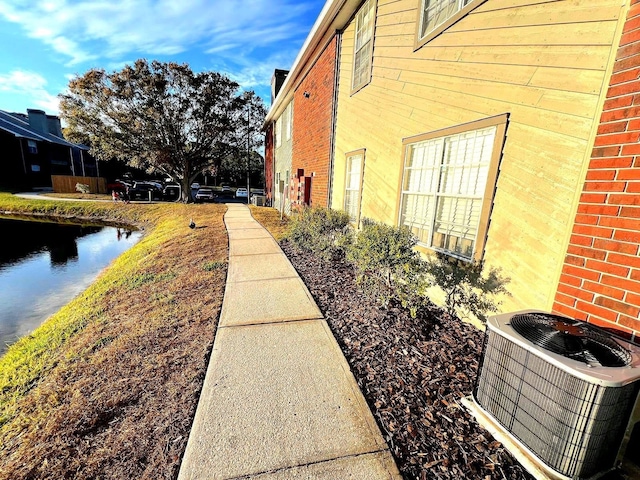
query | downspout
(24,164)
(73,169)
(82,163)
(334,115)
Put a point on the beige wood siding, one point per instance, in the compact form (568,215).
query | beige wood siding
(282,164)
(544,63)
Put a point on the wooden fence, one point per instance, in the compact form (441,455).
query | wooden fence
(67,183)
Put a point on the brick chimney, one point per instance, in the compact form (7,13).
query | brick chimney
(279,76)
(53,125)
(37,120)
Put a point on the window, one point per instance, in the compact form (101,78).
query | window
(353,185)
(32,147)
(437,15)
(448,183)
(289,120)
(363,48)
(279,132)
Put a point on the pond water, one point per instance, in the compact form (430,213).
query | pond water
(45,265)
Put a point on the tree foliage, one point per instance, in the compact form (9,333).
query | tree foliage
(233,170)
(162,117)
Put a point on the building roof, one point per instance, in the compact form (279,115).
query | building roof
(18,127)
(335,15)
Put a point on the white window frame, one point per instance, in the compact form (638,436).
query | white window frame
(32,147)
(289,120)
(448,181)
(353,185)
(456,10)
(363,45)
(278,131)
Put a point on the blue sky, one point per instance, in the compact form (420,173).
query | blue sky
(47,42)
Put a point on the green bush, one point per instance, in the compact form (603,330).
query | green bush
(465,287)
(388,266)
(323,231)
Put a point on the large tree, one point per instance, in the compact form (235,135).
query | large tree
(162,117)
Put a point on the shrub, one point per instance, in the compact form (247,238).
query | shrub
(388,266)
(323,231)
(465,287)
(83,188)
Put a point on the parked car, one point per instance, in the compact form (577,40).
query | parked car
(241,192)
(225,191)
(140,191)
(171,192)
(205,194)
(257,191)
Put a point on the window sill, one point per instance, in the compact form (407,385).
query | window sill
(357,89)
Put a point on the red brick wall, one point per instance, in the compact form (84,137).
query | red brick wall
(600,280)
(268,163)
(312,124)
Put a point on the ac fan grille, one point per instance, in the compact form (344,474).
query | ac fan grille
(581,341)
(573,426)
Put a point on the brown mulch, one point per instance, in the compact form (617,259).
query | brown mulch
(413,373)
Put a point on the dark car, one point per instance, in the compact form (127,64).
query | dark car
(141,191)
(225,191)
(171,193)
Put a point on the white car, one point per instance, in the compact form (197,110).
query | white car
(204,194)
(241,193)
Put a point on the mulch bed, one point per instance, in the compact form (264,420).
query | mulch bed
(413,373)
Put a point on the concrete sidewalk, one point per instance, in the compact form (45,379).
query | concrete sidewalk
(279,400)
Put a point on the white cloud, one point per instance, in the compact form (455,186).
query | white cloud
(252,75)
(32,86)
(256,75)
(86,29)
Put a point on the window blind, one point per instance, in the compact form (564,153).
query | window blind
(436,12)
(443,189)
(352,186)
(363,43)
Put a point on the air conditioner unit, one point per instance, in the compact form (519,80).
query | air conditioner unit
(259,200)
(562,389)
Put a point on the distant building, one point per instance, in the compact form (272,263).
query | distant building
(32,149)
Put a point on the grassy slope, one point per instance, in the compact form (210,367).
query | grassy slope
(107,387)
(270,219)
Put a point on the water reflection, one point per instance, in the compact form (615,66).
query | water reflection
(44,265)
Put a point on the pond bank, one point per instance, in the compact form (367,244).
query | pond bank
(107,386)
